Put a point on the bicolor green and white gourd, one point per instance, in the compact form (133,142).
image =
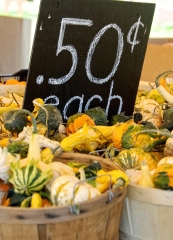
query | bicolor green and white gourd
(29,179)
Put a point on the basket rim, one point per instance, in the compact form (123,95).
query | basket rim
(18,215)
(150,195)
(53,214)
(102,160)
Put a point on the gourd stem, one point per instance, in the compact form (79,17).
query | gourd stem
(57,151)
(47,114)
(32,118)
(99,132)
(163,132)
(165,74)
(15,99)
(164,105)
(82,174)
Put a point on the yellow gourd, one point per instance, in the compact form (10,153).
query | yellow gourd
(89,137)
(36,200)
(118,132)
(114,179)
(146,179)
(4,142)
(47,155)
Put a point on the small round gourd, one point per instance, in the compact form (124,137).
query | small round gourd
(66,190)
(132,158)
(15,120)
(76,121)
(163,176)
(54,117)
(98,115)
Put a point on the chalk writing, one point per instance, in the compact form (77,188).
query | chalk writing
(55,101)
(135,25)
(91,51)
(39,79)
(70,48)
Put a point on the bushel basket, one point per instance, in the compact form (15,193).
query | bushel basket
(99,218)
(147,214)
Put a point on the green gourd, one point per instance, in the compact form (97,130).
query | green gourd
(18,148)
(163,176)
(119,118)
(167,119)
(132,158)
(15,120)
(29,179)
(144,136)
(98,115)
(49,116)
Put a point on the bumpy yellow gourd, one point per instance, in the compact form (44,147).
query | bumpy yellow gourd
(47,155)
(90,137)
(114,178)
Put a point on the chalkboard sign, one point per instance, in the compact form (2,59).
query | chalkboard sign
(88,53)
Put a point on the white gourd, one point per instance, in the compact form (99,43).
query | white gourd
(59,169)
(165,160)
(5,159)
(67,190)
(168,149)
(167,96)
(151,112)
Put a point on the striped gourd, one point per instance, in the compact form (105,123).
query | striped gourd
(132,158)
(29,179)
(163,176)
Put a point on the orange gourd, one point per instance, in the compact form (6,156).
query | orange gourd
(22,83)
(119,130)
(11,81)
(77,121)
(46,203)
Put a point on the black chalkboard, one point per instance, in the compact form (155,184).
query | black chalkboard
(88,53)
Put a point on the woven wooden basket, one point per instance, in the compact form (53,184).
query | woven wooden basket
(99,218)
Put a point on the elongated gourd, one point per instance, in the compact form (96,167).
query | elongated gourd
(31,174)
(167,96)
(146,179)
(36,200)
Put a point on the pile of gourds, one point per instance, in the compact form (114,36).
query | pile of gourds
(156,107)
(141,144)
(28,170)
(10,102)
